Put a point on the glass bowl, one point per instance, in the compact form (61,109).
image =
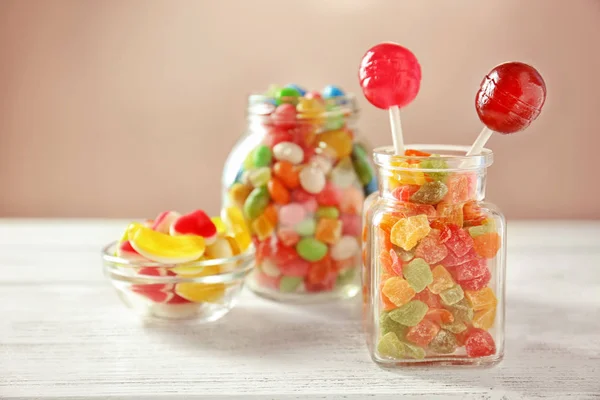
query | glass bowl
(201,291)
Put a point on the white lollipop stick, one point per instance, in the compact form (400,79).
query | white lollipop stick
(481,140)
(397,130)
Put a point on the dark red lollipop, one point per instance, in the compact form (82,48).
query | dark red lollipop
(511,97)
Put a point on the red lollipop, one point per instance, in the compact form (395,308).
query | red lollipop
(390,77)
(510,98)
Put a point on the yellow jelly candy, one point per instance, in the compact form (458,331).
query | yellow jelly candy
(238,193)
(190,271)
(398,290)
(481,299)
(339,142)
(163,248)
(235,247)
(234,218)
(442,280)
(311,109)
(407,232)
(485,318)
(200,292)
(404,177)
(220,225)
(221,249)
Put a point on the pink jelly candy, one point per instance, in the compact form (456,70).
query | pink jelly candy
(479,343)
(469,270)
(389,75)
(430,249)
(297,267)
(329,196)
(351,224)
(452,261)
(459,242)
(477,283)
(291,214)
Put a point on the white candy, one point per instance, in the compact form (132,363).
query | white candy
(343,174)
(312,179)
(163,222)
(288,151)
(323,163)
(270,269)
(220,249)
(345,248)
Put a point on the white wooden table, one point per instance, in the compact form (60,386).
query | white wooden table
(65,335)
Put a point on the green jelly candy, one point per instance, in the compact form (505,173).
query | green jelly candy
(311,249)
(434,162)
(390,346)
(430,193)
(455,327)
(256,202)
(306,227)
(412,351)
(418,274)
(328,212)
(262,156)
(452,295)
(260,176)
(287,95)
(409,314)
(489,225)
(443,343)
(249,160)
(289,284)
(386,324)
(346,276)
(361,164)
(462,311)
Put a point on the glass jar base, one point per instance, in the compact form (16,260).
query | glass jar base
(461,361)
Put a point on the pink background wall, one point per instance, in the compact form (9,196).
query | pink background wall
(126,108)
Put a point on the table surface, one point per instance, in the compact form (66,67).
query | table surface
(65,335)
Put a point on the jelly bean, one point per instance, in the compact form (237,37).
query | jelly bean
(469,270)
(410,314)
(260,176)
(460,242)
(322,162)
(262,156)
(290,284)
(345,248)
(331,91)
(329,231)
(386,324)
(337,144)
(423,333)
(328,212)
(390,346)
(398,291)
(418,274)
(311,249)
(442,280)
(238,193)
(299,89)
(245,178)
(195,223)
(312,179)
(269,268)
(361,164)
(271,214)
(262,227)
(443,343)
(287,236)
(278,192)
(480,343)
(430,193)
(256,202)
(330,195)
(351,224)
(312,109)
(297,267)
(352,201)
(477,283)
(484,318)
(306,227)
(487,245)
(287,95)
(162,223)
(452,295)
(430,249)
(234,218)
(287,173)
(407,232)
(163,248)
(284,116)
(343,174)
(288,151)
(249,160)
(277,135)
(291,214)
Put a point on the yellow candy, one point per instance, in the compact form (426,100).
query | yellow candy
(194,272)
(163,248)
(238,193)
(407,177)
(407,232)
(312,109)
(398,290)
(481,299)
(221,227)
(235,247)
(442,280)
(263,227)
(221,249)
(339,142)
(200,292)
(485,318)
(234,218)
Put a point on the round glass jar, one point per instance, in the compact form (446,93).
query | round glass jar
(435,254)
(299,176)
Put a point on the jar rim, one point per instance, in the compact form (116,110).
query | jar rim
(453,155)
(261,105)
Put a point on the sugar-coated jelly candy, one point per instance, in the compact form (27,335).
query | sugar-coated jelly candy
(312,179)
(442,280)
(398,291)
(484,318)
(511,96)
(418,274)
(455,326)
(477,283)
(390,346)
(407,232)
(430,193)
(164,248)
(439,316)
(443,343)
(481,299)
(430,249)
(389,75)
(390,262)
(256,202)
(386,324)
(434,163)
(458,189)
(450,214)
(345,248)
(329,230)
(487,226)
(460,242)
(288,151)
(452,295)
(469,270)
(423,333)
(410,314)
(432,300)
(452,261)
(404,192)
(479,343)
(487,245)
(311,249)
(462,311)
(413,351)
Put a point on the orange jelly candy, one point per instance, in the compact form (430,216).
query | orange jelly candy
(450,213)
(487,245)
(398,290)
(278,192)
(287,173)
(329,230)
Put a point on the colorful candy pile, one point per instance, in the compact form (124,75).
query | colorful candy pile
(178,242)
(432,254)
(301,191)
